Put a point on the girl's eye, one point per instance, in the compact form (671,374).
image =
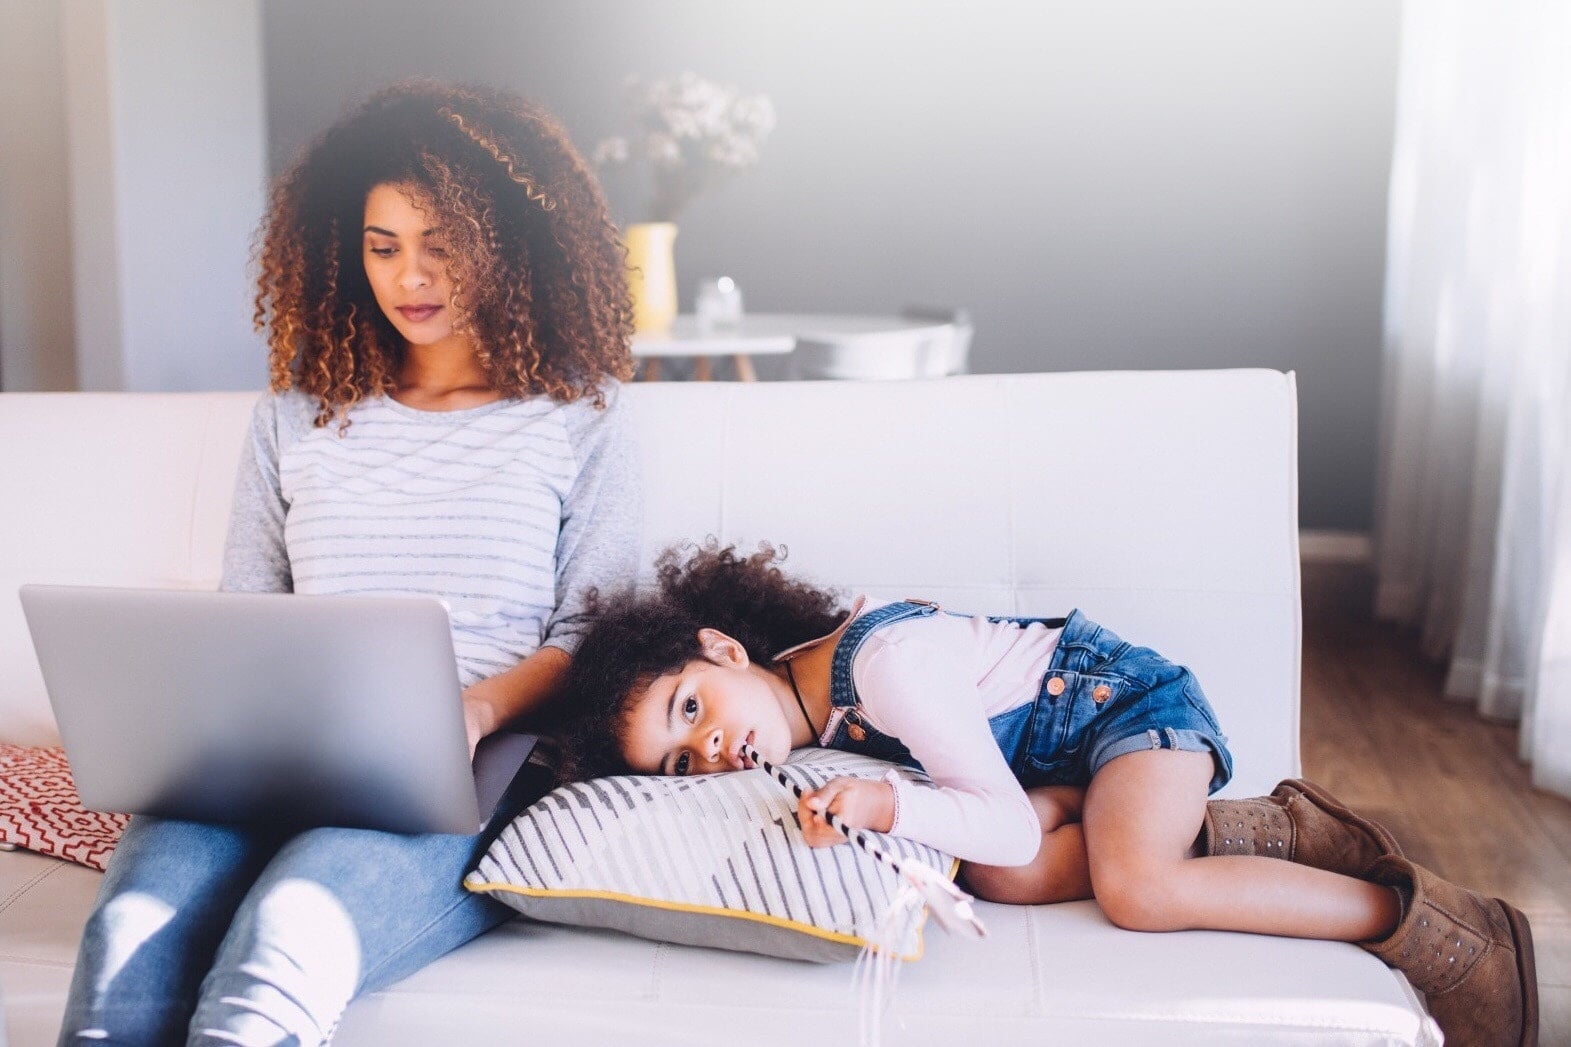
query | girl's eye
(681,761)
(437,252)
(690,708)
(382,252)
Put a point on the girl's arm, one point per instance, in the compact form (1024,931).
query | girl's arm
(918,682)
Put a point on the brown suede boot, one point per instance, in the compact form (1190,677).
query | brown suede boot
(1471,957)
(1300,822)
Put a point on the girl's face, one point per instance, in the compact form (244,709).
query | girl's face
(406,264)
(694,721)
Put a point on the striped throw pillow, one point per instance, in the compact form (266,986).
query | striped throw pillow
(715,860)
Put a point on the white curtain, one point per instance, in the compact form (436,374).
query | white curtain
(1473,519)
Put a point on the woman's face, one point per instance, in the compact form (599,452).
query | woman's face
(406,264)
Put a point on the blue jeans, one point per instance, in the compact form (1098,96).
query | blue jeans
(1101,698)
(211,934)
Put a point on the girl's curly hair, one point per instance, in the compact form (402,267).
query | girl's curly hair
(634,639)
(537,269)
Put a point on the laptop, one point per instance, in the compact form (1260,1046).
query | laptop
(265,708)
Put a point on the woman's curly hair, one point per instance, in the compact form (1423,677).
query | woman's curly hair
(634,639)
(537,269)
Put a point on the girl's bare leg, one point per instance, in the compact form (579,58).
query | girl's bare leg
(1142,814)
(1058,873)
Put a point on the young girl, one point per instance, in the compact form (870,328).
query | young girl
(447,313)
(1067,762)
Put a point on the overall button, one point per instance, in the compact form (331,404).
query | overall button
(1101,693)
(1055,686)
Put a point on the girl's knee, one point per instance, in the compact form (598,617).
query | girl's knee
(1139,898)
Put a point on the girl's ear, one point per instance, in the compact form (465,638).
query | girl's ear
(722,649)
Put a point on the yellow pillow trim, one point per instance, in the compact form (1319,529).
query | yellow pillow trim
(702,910)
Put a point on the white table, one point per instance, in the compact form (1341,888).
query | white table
(762,334)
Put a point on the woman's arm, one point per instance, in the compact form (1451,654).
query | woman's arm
(598,545)
(492,702)
(255,560)
(596,551)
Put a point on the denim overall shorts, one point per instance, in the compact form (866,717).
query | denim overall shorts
(1100,698)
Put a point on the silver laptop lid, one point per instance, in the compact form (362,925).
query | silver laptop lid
(257,707)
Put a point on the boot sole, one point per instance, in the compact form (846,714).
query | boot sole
(1326,803)
(1527,970)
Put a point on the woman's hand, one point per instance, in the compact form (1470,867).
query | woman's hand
(496,700)
(861,803)
(480,715)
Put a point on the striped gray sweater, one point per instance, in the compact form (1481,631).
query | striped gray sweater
(509,513)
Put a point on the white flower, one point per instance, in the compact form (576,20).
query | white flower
(688,128)
(662,150)
(611,151)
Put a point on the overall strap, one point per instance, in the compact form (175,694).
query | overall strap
(842,693)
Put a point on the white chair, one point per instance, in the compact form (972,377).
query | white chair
(945,357)
(935,344)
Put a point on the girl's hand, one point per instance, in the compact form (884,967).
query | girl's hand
(861,803)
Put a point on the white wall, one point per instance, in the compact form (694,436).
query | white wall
(167,164)
(1105,183)
(37,328)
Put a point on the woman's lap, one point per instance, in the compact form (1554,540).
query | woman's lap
(299,925)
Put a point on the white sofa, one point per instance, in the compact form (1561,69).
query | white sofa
(1162,503)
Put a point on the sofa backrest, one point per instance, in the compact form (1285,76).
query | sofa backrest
(1163,504)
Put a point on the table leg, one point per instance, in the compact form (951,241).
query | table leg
(744,368)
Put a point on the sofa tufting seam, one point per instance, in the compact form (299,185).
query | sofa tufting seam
(1242,1018)
(1034,956)
(655,969)
(196,489)
(1295,681)
(12,898)
(33,961)
(726,414)
(1012,494)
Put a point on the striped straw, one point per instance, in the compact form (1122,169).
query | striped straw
(950,906)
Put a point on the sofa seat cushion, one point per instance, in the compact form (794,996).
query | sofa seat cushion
(1057,973)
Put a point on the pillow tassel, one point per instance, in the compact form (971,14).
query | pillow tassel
(877,974)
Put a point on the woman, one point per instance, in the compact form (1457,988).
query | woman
(447,320)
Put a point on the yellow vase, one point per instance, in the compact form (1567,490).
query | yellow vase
(651,274)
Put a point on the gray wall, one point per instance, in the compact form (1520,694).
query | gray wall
(1106,183)
(168,179)
(132,176)
(37,326)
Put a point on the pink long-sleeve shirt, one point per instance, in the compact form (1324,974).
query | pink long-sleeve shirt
(933,682)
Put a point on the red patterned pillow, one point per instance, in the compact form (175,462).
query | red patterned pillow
(39,809)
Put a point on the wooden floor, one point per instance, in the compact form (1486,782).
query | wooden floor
(1448,784)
